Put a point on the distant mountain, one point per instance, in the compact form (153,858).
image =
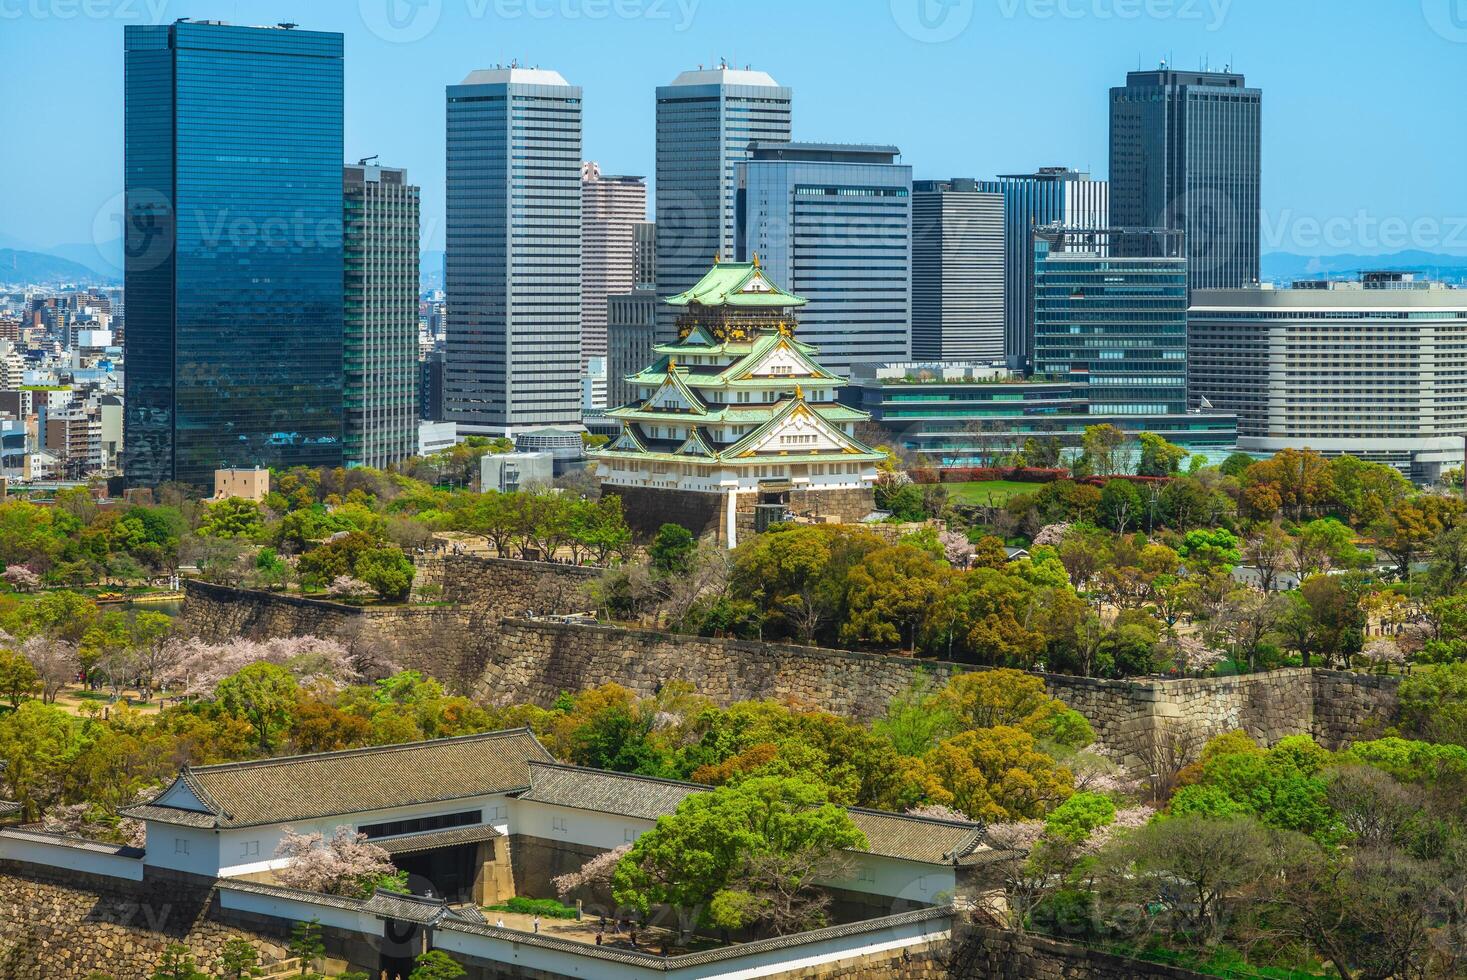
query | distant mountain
(22,267)
(1287,266)
(103,258)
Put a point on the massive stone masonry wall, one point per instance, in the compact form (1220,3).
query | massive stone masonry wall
(58,925)
(476,643)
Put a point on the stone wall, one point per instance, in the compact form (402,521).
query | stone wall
(475,643)
(57,925)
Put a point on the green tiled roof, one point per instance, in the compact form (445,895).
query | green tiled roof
(741,284)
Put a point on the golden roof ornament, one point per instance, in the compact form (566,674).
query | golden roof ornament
(756,260)
(799,394)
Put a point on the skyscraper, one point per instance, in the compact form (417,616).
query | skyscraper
(957,271)
(706,121)
(1184,154)
(611,209)
(513,235)
(832,221)
(644,254)
(233,250)
(1050,195)
(1115,324)
(380,340)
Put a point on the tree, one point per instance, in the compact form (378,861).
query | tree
(1267,549)
(263,694)
(1236,464)
(177,964)
(890,594)
(672,550)
(1212,860)
(1297,481)
(1159,457)
(306,944)
(345,864)
(435,964)
(38,744)
(990,698)
(232,517)
(1102,447)
(1120,504)
(388,571)
(742,856)
(1433,705)
(56,663)
(238,960)
(18,678)
(994,774)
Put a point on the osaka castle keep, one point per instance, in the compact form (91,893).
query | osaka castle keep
(735,425)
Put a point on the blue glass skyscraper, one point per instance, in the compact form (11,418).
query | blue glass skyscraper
(1115,324)
(233,241)
(832,222)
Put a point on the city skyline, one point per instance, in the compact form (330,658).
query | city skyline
(1316,199)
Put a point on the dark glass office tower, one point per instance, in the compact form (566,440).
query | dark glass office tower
(233,269)
(1184,155)
(1115,324)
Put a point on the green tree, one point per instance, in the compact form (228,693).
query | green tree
(232,517)
(177,964)
(1074,819)
(435,964)
(238,960)
(672,550)
(891,594)
(741,855)
(1102,446)
(388,571)
(18,679)
(1433,705)
(1236,464)
(1159,457)
(997,774)
(39,744)
(1120,505)
(265,695)
(306,943)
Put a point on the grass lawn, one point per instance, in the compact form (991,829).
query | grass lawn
(995,492)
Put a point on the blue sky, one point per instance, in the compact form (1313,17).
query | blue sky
(1365,133)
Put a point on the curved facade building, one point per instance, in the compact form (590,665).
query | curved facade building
(1375,368)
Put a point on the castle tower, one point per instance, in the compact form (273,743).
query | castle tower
(735,426)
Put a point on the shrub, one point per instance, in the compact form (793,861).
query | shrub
(547,908)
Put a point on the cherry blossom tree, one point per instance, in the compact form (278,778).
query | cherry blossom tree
(56,663)
(938,812)
(956,548)
(349,588)
(346,863)
(197,667)
(1050,535)
(21,578)
(594,874)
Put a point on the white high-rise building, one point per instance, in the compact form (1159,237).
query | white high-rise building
(513,259)
(612,208)
(706,122)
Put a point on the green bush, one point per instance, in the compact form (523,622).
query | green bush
(547,908)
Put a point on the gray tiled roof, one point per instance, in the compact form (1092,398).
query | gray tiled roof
(328,784)
(733,951)
(620,793)
(927,839)
(169,814)
(413,843)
